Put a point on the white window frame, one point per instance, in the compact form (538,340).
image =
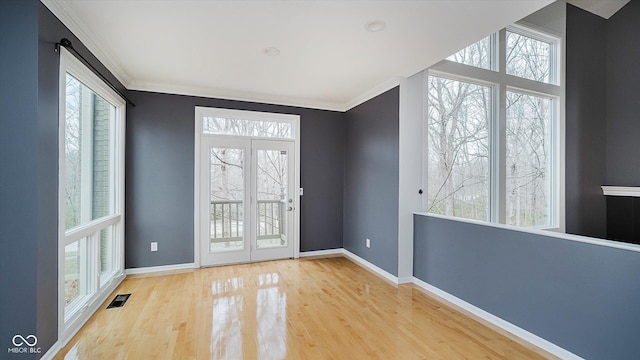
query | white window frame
(501,82)
(71,319)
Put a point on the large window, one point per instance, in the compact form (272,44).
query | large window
(528,156)
(493,150)
(91,190)
(458,162)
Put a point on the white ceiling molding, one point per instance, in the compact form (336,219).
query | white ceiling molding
(370,94)
(226,94)
(327,60)
(92,41)
(602,8)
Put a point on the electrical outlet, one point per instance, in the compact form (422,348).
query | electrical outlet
(154,246)
(368,243)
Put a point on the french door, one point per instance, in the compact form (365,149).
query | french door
(246,200)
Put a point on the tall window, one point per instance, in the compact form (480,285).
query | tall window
(91,189)
(528,160)
(493,149)
(458,116)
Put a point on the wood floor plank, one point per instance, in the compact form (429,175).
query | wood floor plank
(295,309)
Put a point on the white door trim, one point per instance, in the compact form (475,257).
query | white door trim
(201,112)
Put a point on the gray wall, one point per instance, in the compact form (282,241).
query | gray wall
(582,297)
(20,156)
(623,77)
(50,31)
(371,180)
(159,180)
(585,123)
(603,124)
(29,178)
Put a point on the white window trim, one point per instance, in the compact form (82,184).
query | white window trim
(501,82)
(81,311)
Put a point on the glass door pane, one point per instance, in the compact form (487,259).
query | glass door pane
(272,195)
(273,207)
(224,200)
(226,197)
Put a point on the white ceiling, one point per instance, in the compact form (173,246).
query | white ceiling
(327,60)
(603,8)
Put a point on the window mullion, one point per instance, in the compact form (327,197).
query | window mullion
(499,197)
(501,51)
(499,179)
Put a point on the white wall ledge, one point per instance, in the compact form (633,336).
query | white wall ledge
(633,191)
(547,233)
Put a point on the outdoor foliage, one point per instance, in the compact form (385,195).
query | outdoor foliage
(460,120)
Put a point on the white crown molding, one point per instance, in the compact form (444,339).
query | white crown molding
(73,22)
(101,51)
(209,92)
(633,191)
(373,92)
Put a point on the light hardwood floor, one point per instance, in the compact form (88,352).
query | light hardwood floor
(295,309)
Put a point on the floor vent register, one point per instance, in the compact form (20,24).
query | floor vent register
(119,301)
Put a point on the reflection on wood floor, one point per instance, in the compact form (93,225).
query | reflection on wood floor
(294,309)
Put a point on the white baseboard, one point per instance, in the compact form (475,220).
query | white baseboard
(53,351)
(369,266)
(163,268)
(496,321)
(319,253)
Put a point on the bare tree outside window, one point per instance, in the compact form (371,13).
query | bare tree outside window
(477,54)
(271,191)
(513,181)
(527,157)
(226,197)
(72,144)
(528,58)
(247,127)
(458,153)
